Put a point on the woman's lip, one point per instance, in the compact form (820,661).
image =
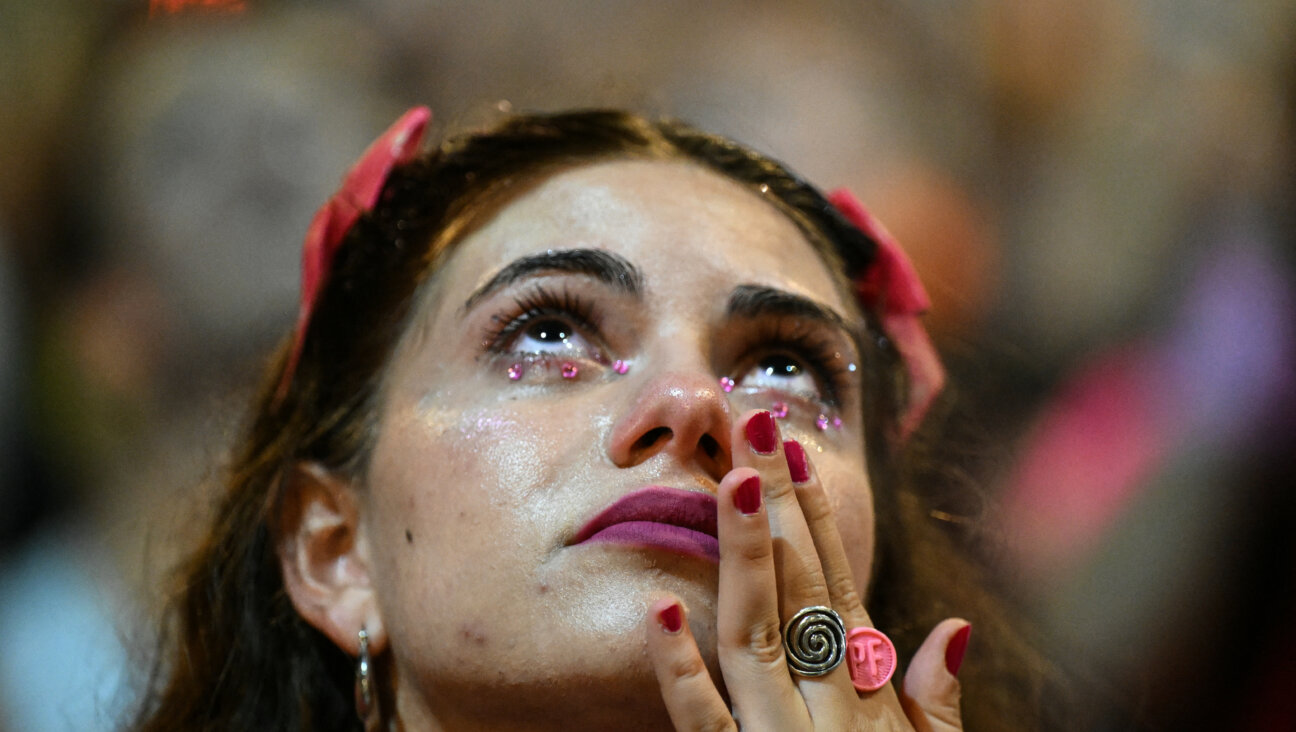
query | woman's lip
(667,518)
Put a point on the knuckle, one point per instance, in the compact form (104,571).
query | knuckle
(802,581)
(687,668)
(715,721)
(780,492)
(858,723)
(755,550)
(814,503)
(843,593)
(765,644)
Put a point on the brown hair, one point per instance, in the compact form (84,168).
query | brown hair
(235,653)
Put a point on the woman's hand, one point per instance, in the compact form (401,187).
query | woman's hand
(764,581)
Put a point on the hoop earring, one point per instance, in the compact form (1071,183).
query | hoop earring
(365,700)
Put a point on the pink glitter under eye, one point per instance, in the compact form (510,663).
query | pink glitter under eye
(726,384)
(823,422)
(515,371)
(570,370)
(779,409)
(621,367)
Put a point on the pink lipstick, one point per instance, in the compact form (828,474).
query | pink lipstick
(660,518)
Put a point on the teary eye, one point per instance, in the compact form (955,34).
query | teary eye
(781,366)
(781,371)
(549,330)
(547,335)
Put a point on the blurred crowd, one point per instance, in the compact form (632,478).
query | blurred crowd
(1100,195)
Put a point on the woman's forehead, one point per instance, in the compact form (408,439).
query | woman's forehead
(674,221)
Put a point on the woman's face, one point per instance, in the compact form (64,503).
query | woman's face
(507,428)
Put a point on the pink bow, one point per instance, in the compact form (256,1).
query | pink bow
(358,194)
(891,286)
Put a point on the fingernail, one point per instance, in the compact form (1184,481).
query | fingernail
(796,460)
(671,618)
(747,498)
(761,433)
(956,648)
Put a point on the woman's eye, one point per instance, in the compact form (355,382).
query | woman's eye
(548,331)
(783,372)
(548,335)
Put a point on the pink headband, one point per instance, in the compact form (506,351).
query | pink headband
(358,194)
(890,285)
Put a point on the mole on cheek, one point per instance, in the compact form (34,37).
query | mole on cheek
(472,634)
(408,536)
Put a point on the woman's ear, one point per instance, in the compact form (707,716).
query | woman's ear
(325,558)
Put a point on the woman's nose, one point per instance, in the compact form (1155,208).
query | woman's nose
(681,414)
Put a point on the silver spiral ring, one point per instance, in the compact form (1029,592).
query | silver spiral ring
(815,641)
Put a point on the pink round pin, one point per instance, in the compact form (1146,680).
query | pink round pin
(870,657)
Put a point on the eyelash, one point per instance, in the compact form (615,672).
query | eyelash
(540,302)
(818,355)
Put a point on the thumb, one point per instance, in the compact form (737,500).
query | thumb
(931,687)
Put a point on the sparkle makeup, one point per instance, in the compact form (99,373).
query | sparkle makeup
(567,369)
(806,409)
(657,517)
(777,351)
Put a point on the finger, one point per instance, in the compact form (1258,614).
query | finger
(819,517)
(838,576)
(798,573)
(931,685)
(691,696)
(750,646)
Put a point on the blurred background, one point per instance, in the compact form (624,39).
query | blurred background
(1098,192)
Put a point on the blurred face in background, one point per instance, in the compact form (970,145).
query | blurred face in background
(508,428)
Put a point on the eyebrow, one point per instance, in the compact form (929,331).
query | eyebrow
(605,267)
(752,301)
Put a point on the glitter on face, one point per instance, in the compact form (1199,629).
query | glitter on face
(726,384)
(569,370)
(836,422)
(779,409)
(515,372)
(621,367)
(821,422)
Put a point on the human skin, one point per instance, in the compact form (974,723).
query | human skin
(483,610)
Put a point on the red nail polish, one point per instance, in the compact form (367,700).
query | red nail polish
(956,648)
(761,433)
(796,460)
(671,618)
(747,497)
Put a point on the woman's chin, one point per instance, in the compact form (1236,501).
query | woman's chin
(606,590)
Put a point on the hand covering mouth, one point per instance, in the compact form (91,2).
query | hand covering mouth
(657,517)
